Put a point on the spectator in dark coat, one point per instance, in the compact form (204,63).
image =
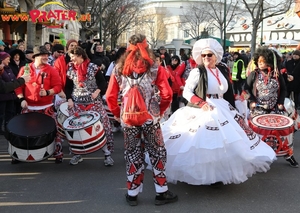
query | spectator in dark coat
(17,60)
(167,57)
(293,76)
(98,57)
(7,100)
(245,58)
(29,54)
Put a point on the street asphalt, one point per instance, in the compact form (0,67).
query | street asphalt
(90,187)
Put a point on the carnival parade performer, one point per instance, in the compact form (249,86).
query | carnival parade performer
(60,65)
(267,89)
(85,84)
(137,67)
(37,94)
(208,141)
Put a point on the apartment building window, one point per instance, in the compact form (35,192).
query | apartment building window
(186,33)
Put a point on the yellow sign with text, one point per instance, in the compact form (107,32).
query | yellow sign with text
(51,18)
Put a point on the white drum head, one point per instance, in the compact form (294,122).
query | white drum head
(63,108)
(272,121)
(82,120)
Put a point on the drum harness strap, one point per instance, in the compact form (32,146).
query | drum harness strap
(283,145)
(86,108)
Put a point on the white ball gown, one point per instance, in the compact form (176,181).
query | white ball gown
(212,146)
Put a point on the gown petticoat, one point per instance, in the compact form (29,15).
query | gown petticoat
(213,146)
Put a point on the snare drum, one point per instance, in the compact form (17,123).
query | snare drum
(84,132)
(109,113)
(62,115)
(31,137)
(276,130)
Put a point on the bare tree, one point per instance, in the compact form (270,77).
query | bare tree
(192,19)
(158,31)
(96,8)
(108,17)
(151,23)
(118,17)
(262,9)
(222,14)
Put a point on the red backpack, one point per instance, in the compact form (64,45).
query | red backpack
(135,112)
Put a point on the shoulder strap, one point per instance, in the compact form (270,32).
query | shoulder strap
(138,81)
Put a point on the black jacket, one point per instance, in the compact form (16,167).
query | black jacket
(293,68)
(201,88)
(6,87)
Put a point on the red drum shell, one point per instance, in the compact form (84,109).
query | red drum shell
(276,130)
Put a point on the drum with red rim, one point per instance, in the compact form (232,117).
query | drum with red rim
(62,115)
(276,130)
(31,136)
(84,132)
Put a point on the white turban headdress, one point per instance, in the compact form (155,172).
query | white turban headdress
(207,44)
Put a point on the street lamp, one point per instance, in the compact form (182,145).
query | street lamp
(100,24)
(261,32)
(224,40)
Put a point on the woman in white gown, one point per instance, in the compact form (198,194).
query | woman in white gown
(208,141)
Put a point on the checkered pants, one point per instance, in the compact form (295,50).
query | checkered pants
(138,140)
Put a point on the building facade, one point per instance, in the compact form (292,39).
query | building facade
(14,22)
(239,31)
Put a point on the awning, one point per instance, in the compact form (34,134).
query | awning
(228,43)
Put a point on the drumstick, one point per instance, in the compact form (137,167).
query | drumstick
(43,76)
(265,106)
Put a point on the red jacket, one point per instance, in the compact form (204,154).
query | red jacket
(32,88)
(61,66)
(177,73)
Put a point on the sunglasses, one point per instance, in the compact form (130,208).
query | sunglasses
(62,52)
(208,55)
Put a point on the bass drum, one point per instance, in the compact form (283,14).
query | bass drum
(31,137)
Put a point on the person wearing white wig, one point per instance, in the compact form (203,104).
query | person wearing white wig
(208,142)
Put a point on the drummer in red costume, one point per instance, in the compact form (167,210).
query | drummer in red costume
(61,65)
(84,86)
(37,94)
(267,89)
(137,66)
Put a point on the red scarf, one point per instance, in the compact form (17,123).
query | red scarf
(134,64)
(193,63)
(81,70)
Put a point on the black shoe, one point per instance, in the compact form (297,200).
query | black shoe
(292,161)
(58,160)
(14,161)
(165,197)
(217,184)
(131,200)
